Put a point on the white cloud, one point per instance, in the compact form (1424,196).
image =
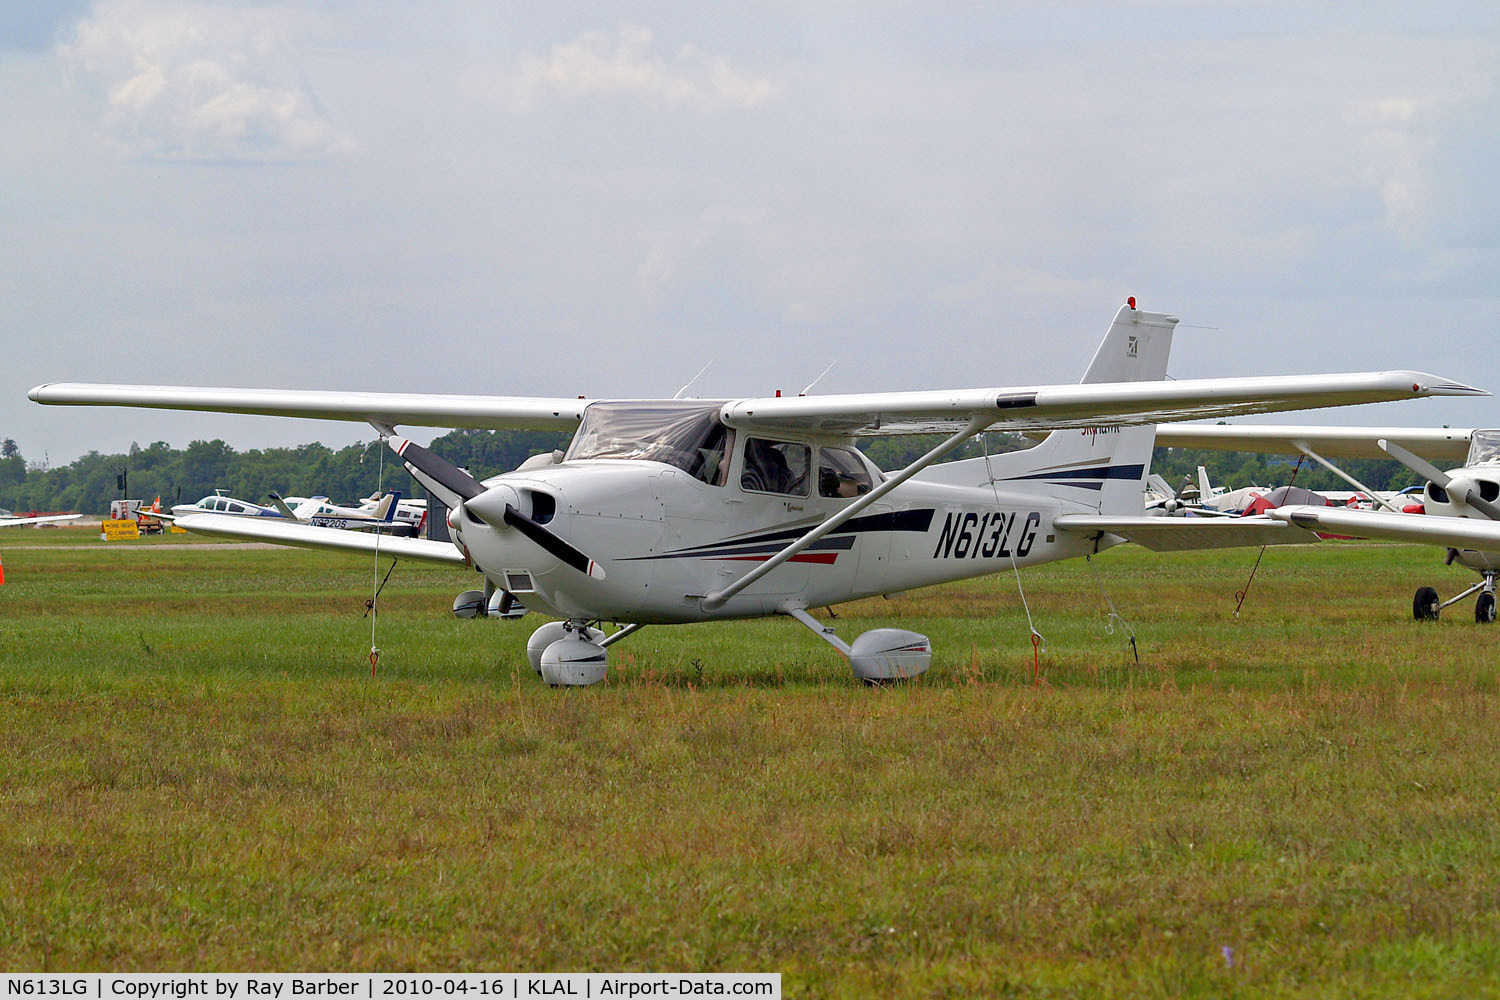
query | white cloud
(598,66)
(197,81)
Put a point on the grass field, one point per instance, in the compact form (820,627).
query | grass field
(197,771)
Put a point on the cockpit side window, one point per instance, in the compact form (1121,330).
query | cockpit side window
(841,474)
(775,467)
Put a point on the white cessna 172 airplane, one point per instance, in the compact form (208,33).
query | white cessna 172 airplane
(670,511)
(1462,512)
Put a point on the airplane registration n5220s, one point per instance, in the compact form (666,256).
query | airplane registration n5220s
(669,511)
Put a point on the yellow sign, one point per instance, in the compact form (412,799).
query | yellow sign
(115,531)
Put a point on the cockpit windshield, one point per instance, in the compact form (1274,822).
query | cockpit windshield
(1484,447)
(687,435)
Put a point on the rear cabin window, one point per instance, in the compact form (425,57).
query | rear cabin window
(841,474)
(775,467)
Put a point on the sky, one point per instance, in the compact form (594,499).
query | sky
(599,199)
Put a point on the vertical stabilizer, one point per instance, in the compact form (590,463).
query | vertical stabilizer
(1101,469)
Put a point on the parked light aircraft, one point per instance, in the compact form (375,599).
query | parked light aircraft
(412,511)
(669,511)
(322,513)
(219,503)
(1462,513)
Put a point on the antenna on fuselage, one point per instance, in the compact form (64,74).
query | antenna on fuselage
(682,393)
(809,387)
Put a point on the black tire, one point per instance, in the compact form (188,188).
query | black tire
(1484,609)
(1424,606)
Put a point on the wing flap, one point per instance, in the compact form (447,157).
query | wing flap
(280,532)
(1182,534)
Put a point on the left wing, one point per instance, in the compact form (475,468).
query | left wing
(17,522)
(1429,529)
(280,532)
(1180,534)
(1099,404)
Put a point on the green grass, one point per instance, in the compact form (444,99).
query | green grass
(197,771)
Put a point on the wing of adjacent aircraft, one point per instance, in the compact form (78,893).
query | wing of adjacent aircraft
(1024,408)
(1436,443)
(1428,529)
(17,522)
(1180,534)
(281,532)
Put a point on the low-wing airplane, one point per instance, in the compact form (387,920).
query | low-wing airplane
(1461,509)
(219,503)
(666,511)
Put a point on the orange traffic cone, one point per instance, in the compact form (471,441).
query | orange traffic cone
(2,572)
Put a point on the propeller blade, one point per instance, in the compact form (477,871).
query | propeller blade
(553,544)
(447,481)
(1460,489)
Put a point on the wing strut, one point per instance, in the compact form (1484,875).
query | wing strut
(716,600)
(1302,446)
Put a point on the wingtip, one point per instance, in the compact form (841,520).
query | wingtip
(1435,385)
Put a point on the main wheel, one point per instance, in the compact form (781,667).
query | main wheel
(1424,607)
(1484,609)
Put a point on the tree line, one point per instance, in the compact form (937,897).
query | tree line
(358,470)
(184,475)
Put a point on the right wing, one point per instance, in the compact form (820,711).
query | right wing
(280,532)
(1437,443)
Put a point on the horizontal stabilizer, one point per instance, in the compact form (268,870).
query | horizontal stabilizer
(17,522)
(1181,534)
